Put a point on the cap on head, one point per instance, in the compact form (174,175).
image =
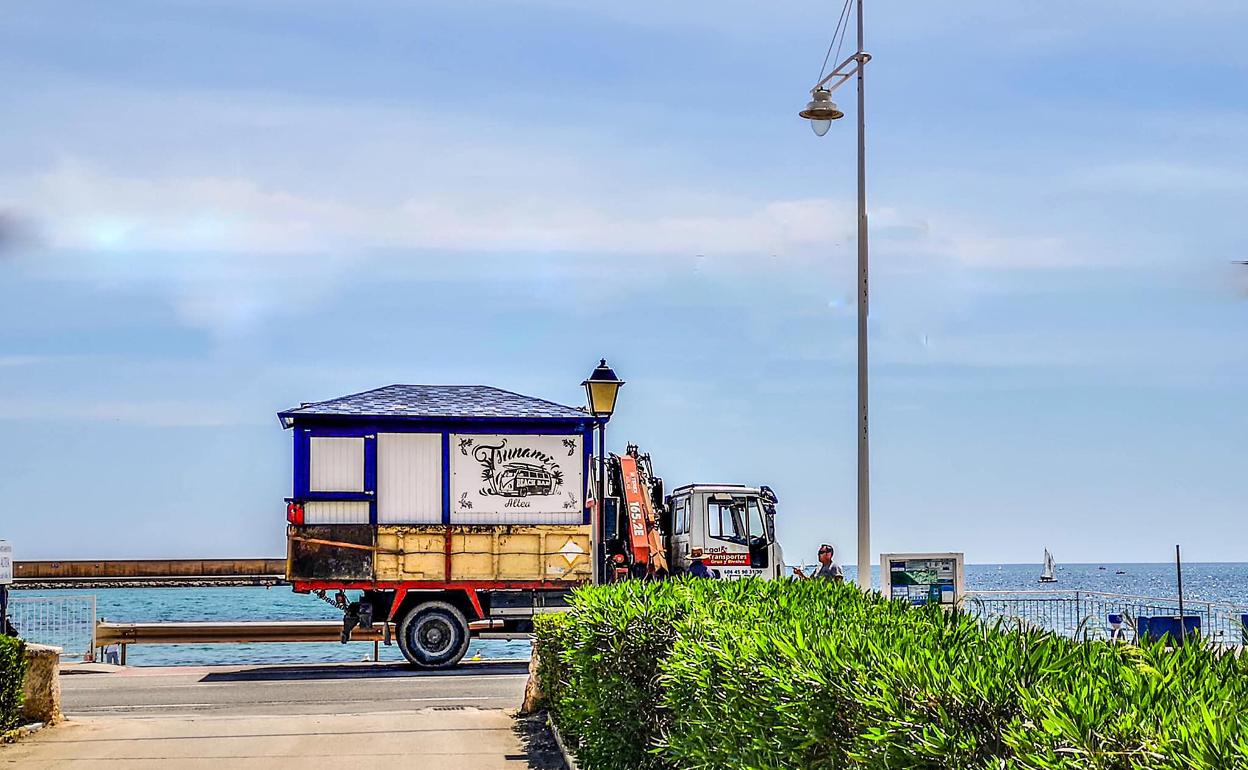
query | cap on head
(825,548)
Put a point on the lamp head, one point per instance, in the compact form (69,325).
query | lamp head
(601,389)
(821,111)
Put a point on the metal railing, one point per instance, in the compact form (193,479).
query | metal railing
(1085,614)
(67,622)
(254,631)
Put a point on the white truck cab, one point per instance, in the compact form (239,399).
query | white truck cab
(729,527)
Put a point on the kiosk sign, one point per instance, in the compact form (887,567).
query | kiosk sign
(6,563)
(923,578)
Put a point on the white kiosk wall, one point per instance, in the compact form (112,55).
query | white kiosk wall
(923,578)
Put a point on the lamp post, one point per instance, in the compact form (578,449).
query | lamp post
(821,111)
(600,391)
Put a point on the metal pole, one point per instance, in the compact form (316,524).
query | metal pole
(1178,568)
(602,501)
(864,473)
(4,610)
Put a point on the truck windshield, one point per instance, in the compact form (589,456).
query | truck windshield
(739,520)
(757,527)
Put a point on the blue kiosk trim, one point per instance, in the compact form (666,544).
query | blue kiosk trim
(446,478)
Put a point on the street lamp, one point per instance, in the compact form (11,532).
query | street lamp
(600,391)
(821,111)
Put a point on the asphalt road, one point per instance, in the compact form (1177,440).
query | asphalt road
(276,690)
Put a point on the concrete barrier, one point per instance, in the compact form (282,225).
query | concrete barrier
(42,689)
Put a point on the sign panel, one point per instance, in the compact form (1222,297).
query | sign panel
(922,578)
(516,478)
(6,562)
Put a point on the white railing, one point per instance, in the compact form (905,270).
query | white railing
(67,622)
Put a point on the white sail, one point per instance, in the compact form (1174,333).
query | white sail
(1049,566)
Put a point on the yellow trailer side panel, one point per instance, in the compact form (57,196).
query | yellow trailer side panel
(405,553)
(484,552)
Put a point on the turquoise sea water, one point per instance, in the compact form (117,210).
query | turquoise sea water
(1227,582)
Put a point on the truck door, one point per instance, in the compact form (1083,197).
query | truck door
(678,541)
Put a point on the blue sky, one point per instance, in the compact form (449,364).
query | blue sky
(219,209)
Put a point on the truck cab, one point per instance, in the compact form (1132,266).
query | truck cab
(729,527)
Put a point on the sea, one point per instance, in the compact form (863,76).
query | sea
(1213,582)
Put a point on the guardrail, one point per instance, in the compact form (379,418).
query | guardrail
(1085,614)
(253,631)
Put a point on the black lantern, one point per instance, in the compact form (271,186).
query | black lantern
(601,389)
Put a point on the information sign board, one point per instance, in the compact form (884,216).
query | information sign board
(923,578)
(6,563)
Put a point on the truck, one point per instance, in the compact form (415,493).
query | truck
(454,508)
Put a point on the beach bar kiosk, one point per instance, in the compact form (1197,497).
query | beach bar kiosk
(441,505)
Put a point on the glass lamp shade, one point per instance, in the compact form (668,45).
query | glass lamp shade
(820,126)
(601,389)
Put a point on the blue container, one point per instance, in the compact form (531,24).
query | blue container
(1168,628)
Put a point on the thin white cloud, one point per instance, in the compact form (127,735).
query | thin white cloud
(1150,177)
(20,360)
(155,414)
(231,251)
(84,209)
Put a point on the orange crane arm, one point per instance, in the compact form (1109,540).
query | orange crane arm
(637,504)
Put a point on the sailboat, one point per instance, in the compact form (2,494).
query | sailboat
(1049,565)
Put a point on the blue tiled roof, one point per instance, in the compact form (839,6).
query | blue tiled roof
(438,401)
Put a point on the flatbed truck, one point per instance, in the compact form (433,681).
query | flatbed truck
(443,505)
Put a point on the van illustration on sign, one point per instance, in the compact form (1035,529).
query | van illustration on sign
(518,471)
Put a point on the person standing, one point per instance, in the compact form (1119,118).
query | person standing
(828,569)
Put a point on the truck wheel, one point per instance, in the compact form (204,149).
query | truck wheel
(433,635)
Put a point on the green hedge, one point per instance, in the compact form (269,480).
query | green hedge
(808,674)
(12,674)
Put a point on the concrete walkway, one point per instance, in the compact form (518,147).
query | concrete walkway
(462,738)
(305,717)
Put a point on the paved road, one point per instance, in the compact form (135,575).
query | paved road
(326,689)
(357,716)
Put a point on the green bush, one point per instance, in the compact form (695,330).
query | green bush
(787,674)
(12,674)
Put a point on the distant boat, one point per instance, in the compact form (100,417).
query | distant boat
(1121,572)
(1049,565)
(1100,568)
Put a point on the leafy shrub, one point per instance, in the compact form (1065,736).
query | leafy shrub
(12,674)
(752,674)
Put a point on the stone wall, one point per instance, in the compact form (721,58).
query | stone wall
(42,689)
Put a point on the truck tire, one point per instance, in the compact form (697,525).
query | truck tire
(433,635)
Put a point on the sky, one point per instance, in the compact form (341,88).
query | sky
(211,211)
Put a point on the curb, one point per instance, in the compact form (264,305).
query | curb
(25,731)
(568,759)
